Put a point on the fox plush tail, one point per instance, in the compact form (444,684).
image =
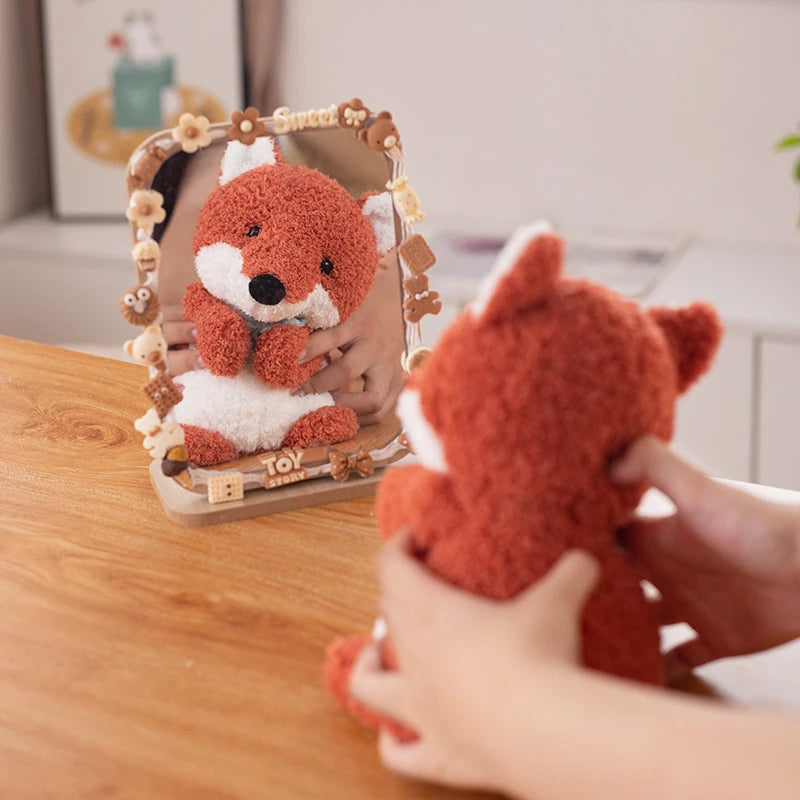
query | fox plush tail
(339,661)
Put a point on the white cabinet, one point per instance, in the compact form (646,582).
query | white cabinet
(714,420)
(778,457)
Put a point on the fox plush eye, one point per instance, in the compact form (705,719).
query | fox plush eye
(254,231)
(326,266)
(143,294)
(129,299)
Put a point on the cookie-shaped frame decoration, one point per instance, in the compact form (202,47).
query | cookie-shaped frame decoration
(247,482)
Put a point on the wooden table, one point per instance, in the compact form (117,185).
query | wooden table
(139,659)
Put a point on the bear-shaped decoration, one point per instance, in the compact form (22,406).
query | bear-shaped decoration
(281,250)
(149,348)
(159,437)
(381,133)
(515,417)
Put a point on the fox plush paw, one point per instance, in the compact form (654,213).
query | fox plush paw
(206,448)
(326,425)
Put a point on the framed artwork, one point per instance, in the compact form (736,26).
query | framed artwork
(116,72)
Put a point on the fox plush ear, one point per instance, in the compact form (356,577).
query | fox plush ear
(240,158)
(693,334)
(378,208)
(524,273)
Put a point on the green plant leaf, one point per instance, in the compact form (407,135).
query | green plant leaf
(792,140)
(797,171)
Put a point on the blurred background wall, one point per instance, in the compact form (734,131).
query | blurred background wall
(23,161)
(625,114)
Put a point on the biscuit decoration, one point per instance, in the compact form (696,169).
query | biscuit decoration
(163,393)
(417,254)
(149,348)
(353,114)
(146,254)
(144,170)
(406,199)
(380,134)
(421,300)
(139,305)
(175,461)
(225,487)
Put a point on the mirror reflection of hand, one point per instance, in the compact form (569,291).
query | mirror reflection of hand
(372,341)
(181,356)
(728,563)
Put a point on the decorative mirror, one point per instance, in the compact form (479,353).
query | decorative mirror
(254,242)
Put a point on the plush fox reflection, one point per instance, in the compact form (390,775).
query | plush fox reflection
(280,250)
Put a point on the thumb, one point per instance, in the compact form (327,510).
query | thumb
(567,585)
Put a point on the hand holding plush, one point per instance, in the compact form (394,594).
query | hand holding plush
(515,416)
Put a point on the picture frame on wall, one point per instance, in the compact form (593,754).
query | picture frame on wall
(117,71)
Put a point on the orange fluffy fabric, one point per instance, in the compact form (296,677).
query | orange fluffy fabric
(529,395)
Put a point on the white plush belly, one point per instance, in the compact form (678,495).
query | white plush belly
(248,413)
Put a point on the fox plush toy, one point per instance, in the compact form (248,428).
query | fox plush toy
(281,250)
(516,415)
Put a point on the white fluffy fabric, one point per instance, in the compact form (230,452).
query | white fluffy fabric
(219,267)
(379,210)
(505,261)
(419,431)
(248,413)
(240,158)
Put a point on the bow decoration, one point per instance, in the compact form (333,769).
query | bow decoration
(341,465)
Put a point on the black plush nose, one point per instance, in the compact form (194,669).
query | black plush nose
(267,290)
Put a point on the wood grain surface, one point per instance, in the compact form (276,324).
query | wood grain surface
(139,659)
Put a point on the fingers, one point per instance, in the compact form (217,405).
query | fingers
(568,584)
(382,690)
(180,361)
(681,660)
(424,760)
(649,460)
(323,341)
(377,400)
(177,333)
(411,760)
(353,364)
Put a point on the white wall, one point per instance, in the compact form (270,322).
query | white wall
(626,114)
(23,178)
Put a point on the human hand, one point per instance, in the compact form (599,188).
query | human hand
(456,653)
(181,336)
(372,339)
(727,563)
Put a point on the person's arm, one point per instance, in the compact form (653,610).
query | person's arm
(372,340)
(726,562)
(497,695)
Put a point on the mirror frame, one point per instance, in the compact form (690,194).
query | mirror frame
(374,446)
